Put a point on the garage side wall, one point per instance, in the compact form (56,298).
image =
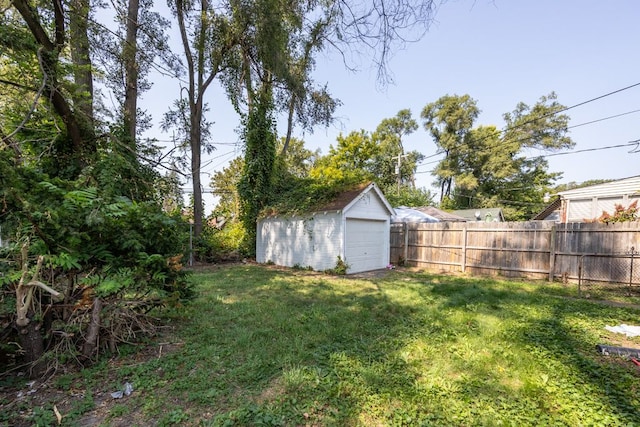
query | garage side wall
(314,241)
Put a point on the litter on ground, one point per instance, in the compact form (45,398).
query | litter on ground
(628,330)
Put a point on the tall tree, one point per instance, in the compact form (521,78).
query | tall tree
(449,120)
(485,167)
(206,39)
(48,29)
(393,167)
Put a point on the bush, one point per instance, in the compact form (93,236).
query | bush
(217,245)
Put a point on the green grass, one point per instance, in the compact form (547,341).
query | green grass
(265,347)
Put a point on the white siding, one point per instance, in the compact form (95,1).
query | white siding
(367,205)
(592,208)
(314,241)
(318,239)
(580,210)
(627,186)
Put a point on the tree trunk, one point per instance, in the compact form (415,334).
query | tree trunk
(130,53)
(82,138)
(196,148)
(93,331)
(33,346)
(80,56)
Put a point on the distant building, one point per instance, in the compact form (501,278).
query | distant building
(586,204)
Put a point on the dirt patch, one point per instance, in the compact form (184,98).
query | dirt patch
(63,395)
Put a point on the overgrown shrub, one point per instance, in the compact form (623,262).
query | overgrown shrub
(220,245)
(85,263)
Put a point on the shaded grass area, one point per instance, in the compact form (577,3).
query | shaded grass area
(263,346)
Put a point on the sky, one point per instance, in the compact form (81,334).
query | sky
(500,52)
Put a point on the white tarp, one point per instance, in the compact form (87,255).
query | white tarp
(628,330)
(405,214)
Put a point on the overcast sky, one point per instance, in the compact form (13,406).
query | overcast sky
(500,52)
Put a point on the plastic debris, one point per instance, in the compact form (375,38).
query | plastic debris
(628,330)
(608,350)
(128,389)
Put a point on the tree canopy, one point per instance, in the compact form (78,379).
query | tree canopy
(487,167)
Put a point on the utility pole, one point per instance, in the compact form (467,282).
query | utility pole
(398,170)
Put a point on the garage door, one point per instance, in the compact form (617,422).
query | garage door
(366,245)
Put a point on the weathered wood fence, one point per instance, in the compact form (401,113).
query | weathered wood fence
(519,249)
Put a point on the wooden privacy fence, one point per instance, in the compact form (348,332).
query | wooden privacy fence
(535,249)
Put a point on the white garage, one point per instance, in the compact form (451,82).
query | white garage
(354,227)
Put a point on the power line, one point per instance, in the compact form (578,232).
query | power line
(517,126)
(562,110)
(489,149)
(603,119)
(634,143)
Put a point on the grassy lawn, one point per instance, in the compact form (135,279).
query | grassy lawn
(262,346)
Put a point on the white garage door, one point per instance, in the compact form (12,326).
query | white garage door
(366,245)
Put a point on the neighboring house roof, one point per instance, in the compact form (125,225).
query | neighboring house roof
(551,212)
(486,215)
(405,214)
(440,215)
(628,186)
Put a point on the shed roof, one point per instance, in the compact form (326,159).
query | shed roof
(628,186)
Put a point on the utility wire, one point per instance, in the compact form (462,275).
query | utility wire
(562,110)
(519,125)
(603,119)
(635,144)
(440,152)
(489,149)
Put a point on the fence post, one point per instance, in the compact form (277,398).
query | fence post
(463,264)
(552,253)
(633,252)
(580,276)
(405,228)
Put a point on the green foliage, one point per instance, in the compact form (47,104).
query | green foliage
(380,157)
(296,196)
(295,164)
(408,196)
(349,161)
(217,245)
(340,268)
(484,167)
